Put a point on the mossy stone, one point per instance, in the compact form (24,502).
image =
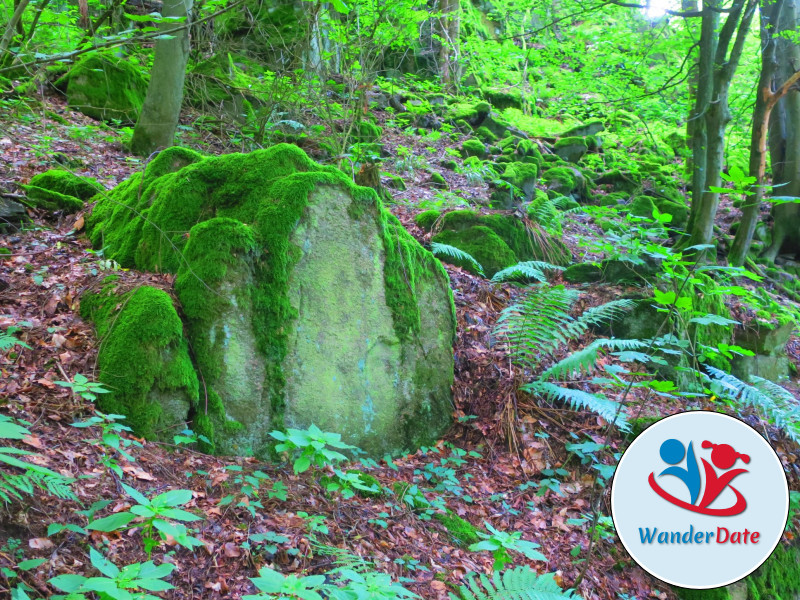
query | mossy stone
(571,149)
(50,200)
(504,98)
(462,531)
(143,359)
(280,254)
(583,273)
(589,128)
(473,147)
(368,132)
(427,219)
(486,135)
(439,181)
(65,182)
(483,244)
(105,87)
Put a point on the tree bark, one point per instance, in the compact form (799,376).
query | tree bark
(784,139)
(11,27)
(162,105)
(717,116)
(765,102)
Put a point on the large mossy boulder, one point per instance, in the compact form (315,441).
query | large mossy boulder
(105,87)
(305,300)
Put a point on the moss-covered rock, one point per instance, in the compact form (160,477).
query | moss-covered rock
(485,135)
(483,244)
(143,359)
(583,273)
(589,128)
(65,182)
(50,200)
(473,114)
(504,98)
(473,147)
(571,149)
(105,87)
(462,531)
(564,180)
(274,256)
(509,228)
(368,132)
(438,180)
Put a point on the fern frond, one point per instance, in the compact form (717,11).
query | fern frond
(538,323)
(519,583)
(586,358)
(8,340)
(606,313)
(519,272)
(775,403)
(577,399)
(343,558)
(454,253)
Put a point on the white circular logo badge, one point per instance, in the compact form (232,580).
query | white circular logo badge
(699,500)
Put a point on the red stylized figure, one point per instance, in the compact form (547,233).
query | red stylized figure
(724,457)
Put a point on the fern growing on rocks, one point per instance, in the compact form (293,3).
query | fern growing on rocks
(455,254)
(520,583)
(531,270)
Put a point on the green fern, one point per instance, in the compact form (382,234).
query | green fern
(15,485)
(775,403)
(454,253)
(539,324)
(519,583)
(579,400)
(8,340)
(585,360)
(532,270)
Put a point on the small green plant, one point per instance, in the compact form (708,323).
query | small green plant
(188,437)
(275,586)
(499,543)
(8,339)
(138,578)
(315,523)
(81,386)
(250,490)
(111,437)
(156,516)
(311,446)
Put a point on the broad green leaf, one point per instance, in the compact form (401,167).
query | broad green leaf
(172,498)
(111,522)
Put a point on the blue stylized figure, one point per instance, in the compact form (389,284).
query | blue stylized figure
(672,452)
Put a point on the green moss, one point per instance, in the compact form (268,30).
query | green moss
(368,132)
(449,164)
(438,181)
(143,357)
(462,531)
(105,87)
(396,183)
(473,147)
(520,174)
(50,200)
(427,219)
(243,208)
(583,273)
(642,206)
(712,594)
(66,183)
(485,134)
(500,99)
(779,577)
(570,141)
(563,176)
(474,114)
(483,244)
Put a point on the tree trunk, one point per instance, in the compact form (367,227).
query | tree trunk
(765,100)
(705,86)
(717,116)
(11,27)
(162,105)
(784,140)
(449,33)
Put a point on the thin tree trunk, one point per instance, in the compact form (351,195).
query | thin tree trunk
(717,117)
(765,101)
(11,27)
(785,139)
(705,87)
(162,105)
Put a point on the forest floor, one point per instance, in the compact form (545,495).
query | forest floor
(514,439)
